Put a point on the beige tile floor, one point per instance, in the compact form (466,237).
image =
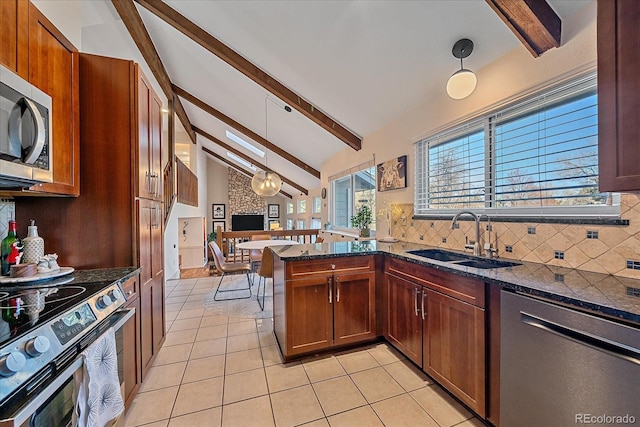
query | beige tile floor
(219,371)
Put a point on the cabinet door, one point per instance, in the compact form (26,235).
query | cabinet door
(309,314)
(454,347)
(618,95)
(54,69)
(157,312)
(354,308)
(14,39)
(146,284)
(155,144)
(404,324)
(131,353)
(144,140)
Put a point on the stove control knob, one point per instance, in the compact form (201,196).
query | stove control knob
(36,346)
(115,294)
(103,302)
(12,363)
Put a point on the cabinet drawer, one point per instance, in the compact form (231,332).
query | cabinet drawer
(462,288)
(130,288)
(299,269)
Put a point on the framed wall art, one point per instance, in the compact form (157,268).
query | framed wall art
(221,224)
(218,211)
(392,174)
(274,211)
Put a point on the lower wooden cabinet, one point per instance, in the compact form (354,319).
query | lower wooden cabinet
(454,347)
(325,309)
(403,326)
(442,334)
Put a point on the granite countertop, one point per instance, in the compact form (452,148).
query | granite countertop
(609,295)
(104,276)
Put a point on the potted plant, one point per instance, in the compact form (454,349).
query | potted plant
(362,220)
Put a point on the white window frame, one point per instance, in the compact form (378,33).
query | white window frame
(421,187)
(351,202)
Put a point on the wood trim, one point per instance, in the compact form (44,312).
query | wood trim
(533,22)
(247,158)
(234,59)
(238,168)
(132,20)
(243,129)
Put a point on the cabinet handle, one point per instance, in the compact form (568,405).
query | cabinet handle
(329,282)
(147,180)
(415,301)
(422,305)
(337,290)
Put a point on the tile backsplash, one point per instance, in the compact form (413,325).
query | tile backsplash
(7,212)
(599,248)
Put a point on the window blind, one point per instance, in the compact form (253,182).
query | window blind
(546,150)
(536,157)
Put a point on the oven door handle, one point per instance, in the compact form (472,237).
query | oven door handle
(32,406)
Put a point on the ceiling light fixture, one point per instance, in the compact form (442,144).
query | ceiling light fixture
(266,183)
(463,82)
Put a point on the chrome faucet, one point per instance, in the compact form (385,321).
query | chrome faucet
(477,247)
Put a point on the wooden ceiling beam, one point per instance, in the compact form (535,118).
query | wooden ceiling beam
(245,130)
(534,22)
(234,59)
(132,20)
(238,168)
(247,158)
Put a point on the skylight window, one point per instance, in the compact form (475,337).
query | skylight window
(242,161)
(245,144)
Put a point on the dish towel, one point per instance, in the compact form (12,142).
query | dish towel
(99,400)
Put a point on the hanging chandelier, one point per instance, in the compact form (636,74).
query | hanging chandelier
(266,183)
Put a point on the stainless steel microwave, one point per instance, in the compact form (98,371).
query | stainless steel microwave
(25,138)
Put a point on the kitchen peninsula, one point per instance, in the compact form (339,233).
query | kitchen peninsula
(333,295)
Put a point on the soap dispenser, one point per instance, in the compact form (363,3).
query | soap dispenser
(33,245)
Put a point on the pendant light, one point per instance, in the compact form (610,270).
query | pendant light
(266,183)
(463,82)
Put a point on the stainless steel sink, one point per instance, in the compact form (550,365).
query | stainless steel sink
(462,259)
(439,255)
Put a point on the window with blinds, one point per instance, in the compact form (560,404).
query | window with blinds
(538,157)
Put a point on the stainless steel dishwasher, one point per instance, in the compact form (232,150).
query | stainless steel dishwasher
(561,367)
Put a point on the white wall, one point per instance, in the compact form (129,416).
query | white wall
(513,74)
(172,232)
(66,15)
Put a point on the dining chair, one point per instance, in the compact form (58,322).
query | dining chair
(255,255)
(265,272)
(229,267)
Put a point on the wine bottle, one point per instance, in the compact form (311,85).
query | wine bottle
(11,249)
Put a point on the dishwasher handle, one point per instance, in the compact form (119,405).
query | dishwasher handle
(611,347)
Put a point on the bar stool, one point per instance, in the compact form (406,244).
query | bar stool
(265,272)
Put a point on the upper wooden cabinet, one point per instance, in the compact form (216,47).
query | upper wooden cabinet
(618,95)
(36,50)
(14,39)
(149,140)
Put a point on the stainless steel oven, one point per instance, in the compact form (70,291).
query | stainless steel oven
(54,404)
(44,328)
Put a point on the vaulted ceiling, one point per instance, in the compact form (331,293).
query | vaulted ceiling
(361,64)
